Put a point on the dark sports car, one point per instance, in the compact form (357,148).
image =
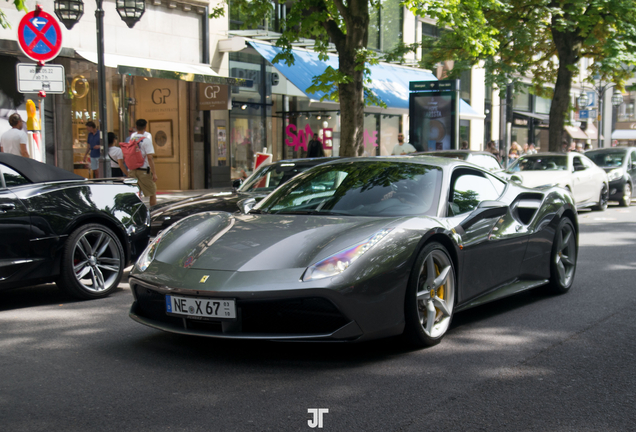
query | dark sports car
(620,165)
(357,249)
(58,226)
(264,180)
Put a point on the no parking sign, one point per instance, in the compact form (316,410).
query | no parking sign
(40,36)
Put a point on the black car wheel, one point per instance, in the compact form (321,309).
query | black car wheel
(430,296)
(602,199)
(92,262)
(626,199)
(563,257)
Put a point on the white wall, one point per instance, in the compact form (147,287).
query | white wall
(170,34)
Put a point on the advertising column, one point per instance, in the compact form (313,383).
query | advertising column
(434,115)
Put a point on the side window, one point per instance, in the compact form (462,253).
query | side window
(469,189)
(576,163)
(588,163)
(12,177)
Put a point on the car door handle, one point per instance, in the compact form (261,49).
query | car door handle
(6,206)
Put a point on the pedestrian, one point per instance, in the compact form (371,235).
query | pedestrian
(146,175)
(117,166)
(402,148)
(93,148)
(131,132)
(526,147)
(314,149)
(464,145)
(579,147)
(15,140)
(531,149)
(491,147)
(513,155)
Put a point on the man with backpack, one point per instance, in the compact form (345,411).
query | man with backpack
(138,156)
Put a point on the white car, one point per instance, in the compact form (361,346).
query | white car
(573,171)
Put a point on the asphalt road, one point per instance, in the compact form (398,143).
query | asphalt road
(531,362)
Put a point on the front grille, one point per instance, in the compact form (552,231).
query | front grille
(284,317)
(295,316)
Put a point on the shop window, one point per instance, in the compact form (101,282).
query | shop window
(385,25)
(521,99)
(389,129)
(464,130)
(542,105)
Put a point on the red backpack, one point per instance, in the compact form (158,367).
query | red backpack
(133,157)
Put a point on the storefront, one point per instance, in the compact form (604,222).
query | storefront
(279,117)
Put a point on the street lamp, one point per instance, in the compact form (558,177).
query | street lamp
(617,99)
(583,100)
(70,12)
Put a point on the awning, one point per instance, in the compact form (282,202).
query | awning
(576,132)
(542,117)
(152,68)
(389,82)
(624,134)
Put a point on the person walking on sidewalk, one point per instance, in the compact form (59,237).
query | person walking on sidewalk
(14,140)
(402,148)
(146,175)
(93,147)
(117,167)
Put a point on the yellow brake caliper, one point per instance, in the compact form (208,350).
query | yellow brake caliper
(440,294)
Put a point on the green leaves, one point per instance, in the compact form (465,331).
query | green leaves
(19,5)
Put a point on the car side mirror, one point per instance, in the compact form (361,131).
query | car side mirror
(245,205)
(580,168)
(237,183)
(485,210)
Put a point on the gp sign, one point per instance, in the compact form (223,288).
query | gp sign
(40,36)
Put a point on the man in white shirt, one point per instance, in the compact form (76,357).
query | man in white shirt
(401,148)
(14,141)
(146,175)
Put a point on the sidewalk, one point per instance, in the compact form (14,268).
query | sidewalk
(176,195)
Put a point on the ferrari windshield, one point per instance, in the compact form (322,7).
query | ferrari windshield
(365,188)
(269,177)
(607,159)
(539,163)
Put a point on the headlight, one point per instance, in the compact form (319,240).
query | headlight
(148,255)
(615,174)
(339,262)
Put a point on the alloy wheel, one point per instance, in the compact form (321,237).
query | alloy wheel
(565,257)
(627,195)
(436,294)
(96,260)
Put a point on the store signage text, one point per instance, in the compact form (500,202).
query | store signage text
(84,115)
(521,122)
(159,95)
(212,97)
(302,138)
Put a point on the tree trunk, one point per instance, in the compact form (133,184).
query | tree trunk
(568,48)
(351,108)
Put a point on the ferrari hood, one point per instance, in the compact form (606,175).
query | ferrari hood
(539,178)
(235,242)
(219,201)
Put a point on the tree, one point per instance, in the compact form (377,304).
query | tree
(19,5)
(345,23)
(544,39)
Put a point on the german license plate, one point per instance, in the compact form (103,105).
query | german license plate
(204,308)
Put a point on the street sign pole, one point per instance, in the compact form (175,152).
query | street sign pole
(101,79)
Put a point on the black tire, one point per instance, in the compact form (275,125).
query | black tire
(92,262)
(626,199)
(562,270)
(602,199)
(418,331)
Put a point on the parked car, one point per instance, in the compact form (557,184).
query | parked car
(358,249)
(480,158)
(58,226)
(573,171)
(620,165)
(264,180)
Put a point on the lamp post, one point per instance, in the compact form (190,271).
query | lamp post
(600,89)
(70,12)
